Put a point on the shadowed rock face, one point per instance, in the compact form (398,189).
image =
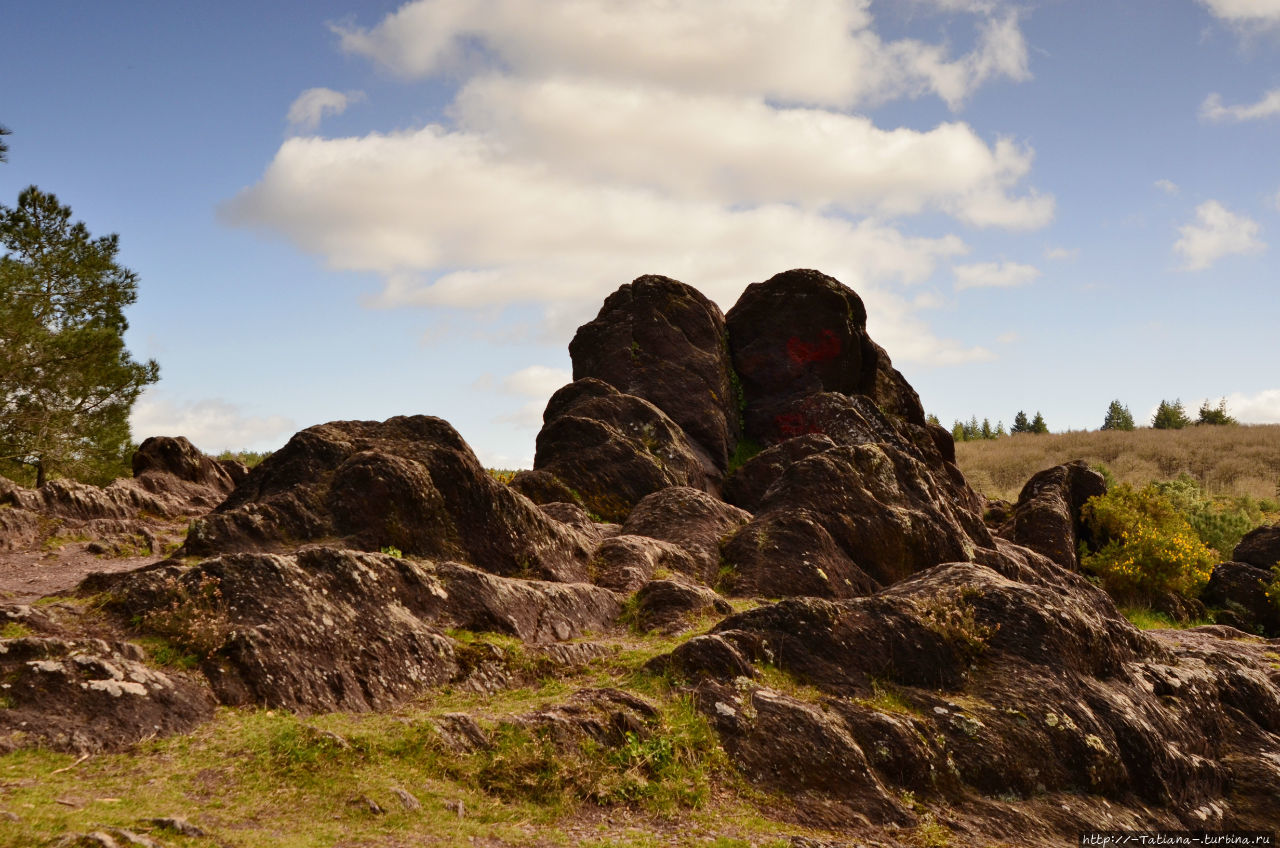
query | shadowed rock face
(611,449)
(410,483)
(661,340)
(1046,518)
(1260,547)
(800,333)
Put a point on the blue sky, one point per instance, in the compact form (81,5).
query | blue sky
(344,210)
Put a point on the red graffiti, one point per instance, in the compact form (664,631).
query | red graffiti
(802,352)
(792,424)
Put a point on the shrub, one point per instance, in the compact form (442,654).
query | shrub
(1147,546)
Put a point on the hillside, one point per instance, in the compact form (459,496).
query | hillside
(1239,460)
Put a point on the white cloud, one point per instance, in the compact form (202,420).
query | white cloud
(994,275)
(1241,12)
(738,150)
(1167,186)
(1213,110)
(807,51)
(591,142)
(537,383)
(448,221)
(1259,408)
(314,103)
(213,425)
(1217,232)
(1274,200)
(1061,254)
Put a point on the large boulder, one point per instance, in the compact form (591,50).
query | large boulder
(1259,547)
(332,629)
(409,483)
(689,519)
(1047,516)
(89,695)
(1239,590)
(849,519)
(611,449)
(800,333)
(661,340)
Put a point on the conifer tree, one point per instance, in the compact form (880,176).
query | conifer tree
(1038,425)
(1118,417)
(1170,416)
(67,383)
(1020,423)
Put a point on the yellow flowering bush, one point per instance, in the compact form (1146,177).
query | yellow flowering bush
(1146,545)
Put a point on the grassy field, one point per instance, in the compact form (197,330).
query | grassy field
(1238,460)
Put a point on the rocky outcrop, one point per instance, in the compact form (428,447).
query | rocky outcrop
(611,449)
(409,483)
(90,695)
(172,480)
(1047,516)
(670,605)
(960,683)
(332,629)
(801,333)
(746,486)
(1260,547)
(661,340)
(850,519)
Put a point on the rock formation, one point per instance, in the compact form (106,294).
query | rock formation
(891,652)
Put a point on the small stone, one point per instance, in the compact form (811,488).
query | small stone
(456,807)
(368,803)
(128,837)
(407,799)
(180,826)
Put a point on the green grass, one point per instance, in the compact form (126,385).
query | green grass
(1148,619)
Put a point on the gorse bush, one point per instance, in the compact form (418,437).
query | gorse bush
(1146,545)
(1219,522)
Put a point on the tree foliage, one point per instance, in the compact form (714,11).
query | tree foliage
(1216,415)
(1118,417)
(1170,416)
(4,148)
(1020,423)
(67,382)
(1038,425)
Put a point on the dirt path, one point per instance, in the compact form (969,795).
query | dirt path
(26,576)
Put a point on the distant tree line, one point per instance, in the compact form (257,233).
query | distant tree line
(1170,415)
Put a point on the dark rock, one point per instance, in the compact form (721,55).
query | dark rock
(409,483)
(690,519)
(179,458)
(663,341)
(323,629)
(801,333)
(542,487)
(611,449)
(530,610)
(668,605)
(786,745)
(576,517)
(711,656)
(746,486)
(861,511)
(1047,518)
(1259,547)
(1241,590)
(603,716)
(329,629)
(88,695)
(625,563)
(789,553)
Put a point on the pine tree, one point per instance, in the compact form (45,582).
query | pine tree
(67,383)
(986,431)
(1170,416)
(1020,423)
(1118,417)
(957,432)
(1038,425)
(1215,415)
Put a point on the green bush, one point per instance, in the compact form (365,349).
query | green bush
(1219,522)
(1146,545)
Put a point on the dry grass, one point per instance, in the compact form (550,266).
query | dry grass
(1240,460)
